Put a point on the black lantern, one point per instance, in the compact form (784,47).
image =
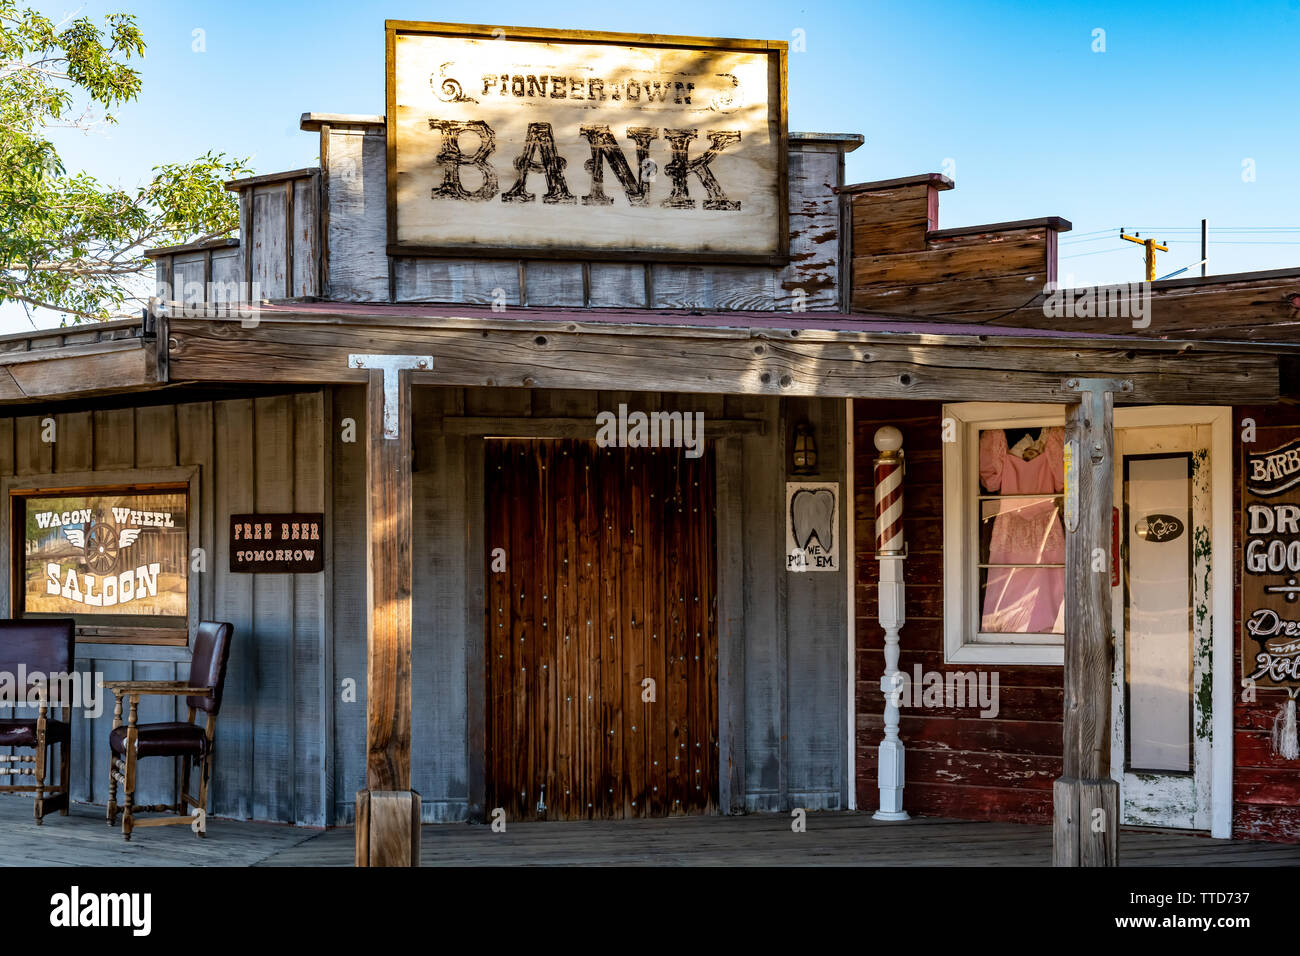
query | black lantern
(805,450)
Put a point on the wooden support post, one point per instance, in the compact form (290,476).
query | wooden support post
(388,811)
(1085,798)
(388,828)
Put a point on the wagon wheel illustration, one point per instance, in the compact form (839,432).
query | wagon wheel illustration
(101,548)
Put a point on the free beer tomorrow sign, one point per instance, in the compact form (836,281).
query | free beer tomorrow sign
(106,554)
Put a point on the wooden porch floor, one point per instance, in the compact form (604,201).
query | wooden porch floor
(843,839)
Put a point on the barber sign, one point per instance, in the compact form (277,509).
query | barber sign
(1270,641)
(509,141)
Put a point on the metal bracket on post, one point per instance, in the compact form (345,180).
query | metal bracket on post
(1091,400)
(391,366)
(1095,386)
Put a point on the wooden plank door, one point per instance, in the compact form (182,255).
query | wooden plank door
(601,633)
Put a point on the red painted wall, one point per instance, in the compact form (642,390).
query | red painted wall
(958,764)
(963,766)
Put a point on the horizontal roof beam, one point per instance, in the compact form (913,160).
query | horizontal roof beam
(675,359)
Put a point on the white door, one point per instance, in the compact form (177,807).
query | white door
(1160,704)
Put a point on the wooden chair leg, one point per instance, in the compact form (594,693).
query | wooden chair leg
(182,786)
(128,822)
(133,721)
(205,776)
(112,788)
(65,775)
(112,767)
(42,758)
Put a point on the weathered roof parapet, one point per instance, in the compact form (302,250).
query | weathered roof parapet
(207,271)
(933,180)
(892,215)
(901,261)
(840,142)
(999,273)
(280,253)
(1244,306)
(283,252)
(203,245)
(350,239)
(314,122)
(1055,223)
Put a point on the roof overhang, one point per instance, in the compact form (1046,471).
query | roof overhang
(98,358)
(756,353)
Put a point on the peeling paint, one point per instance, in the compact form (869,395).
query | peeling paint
(1204,626)
(1204,694)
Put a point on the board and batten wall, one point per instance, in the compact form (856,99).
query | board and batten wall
(291,733)
(253,454)
(781,689)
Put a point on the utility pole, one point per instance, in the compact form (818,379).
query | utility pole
(1205,253)
(1151,247)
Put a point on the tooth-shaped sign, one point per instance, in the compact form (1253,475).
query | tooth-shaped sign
(812,515)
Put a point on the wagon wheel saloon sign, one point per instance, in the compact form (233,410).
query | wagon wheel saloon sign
(1270,641)
(510,141)
(107,553)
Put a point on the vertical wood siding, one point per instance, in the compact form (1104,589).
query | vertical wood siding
(291,735)
(348,555)
(782,718)
(263,454)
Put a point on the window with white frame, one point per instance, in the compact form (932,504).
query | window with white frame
(1004,538)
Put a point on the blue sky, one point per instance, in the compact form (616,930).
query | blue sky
(1010,99)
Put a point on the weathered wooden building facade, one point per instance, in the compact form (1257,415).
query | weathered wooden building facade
(511,614)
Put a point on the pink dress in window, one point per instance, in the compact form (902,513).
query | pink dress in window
(1025,531)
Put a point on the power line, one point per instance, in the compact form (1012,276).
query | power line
(1079,242)
(1095,252)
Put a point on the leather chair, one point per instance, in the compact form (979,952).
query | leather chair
(185,740)
(38,647)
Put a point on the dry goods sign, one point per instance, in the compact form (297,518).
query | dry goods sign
(1270,582)
(509,141)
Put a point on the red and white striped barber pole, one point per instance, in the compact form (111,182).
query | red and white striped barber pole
(890,552)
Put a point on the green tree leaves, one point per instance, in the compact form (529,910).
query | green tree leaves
(68,242)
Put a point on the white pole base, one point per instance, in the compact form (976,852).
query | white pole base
(890,815)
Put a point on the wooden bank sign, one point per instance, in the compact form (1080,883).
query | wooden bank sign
(507,141)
